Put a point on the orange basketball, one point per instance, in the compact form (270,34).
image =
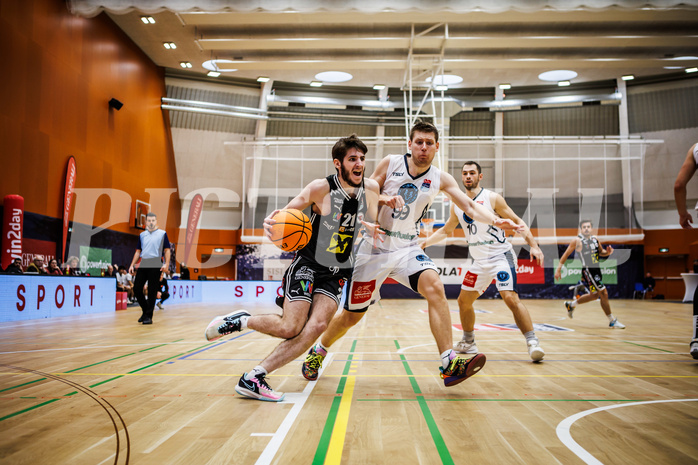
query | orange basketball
(292,230)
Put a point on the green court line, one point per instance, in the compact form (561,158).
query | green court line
(649,347)
(501,400)
(87,366)
(27,409)
(324,444)
(106,381)
(431,423)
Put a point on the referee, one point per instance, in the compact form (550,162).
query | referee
(152,242)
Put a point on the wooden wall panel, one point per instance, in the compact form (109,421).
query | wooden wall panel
(61,72)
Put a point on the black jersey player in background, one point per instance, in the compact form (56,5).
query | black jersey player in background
(314,281)
(588,251)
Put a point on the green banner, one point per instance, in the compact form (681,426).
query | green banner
(572,271)
(93,260)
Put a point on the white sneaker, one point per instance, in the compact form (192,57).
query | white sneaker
(226,324)
(615,324)
(535,351)
(465,347)
(694,349)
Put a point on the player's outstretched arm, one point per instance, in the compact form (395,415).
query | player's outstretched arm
(442,233)
(502,208)
(686,172)
(313,193)
(570,248)
(472,209)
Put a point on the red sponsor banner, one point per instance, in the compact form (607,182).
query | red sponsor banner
(12,229)
(197,204)
(70,175)
(529,272)
(35,247)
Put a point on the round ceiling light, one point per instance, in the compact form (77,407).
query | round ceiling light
(557,75)
(334,76)
(446,79)
(212,65)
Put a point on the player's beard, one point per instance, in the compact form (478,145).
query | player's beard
(346,176)
(473,186)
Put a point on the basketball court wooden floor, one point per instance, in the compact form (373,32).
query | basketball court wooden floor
(102,389)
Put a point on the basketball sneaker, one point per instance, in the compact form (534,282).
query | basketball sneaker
(312,364)
(694,349)
(463,347)
(460,369)
(226,324)
(258,388)
(615,324)
(570,308)
(535,351)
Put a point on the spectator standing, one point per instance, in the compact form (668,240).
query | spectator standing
(184,272)
(152,243)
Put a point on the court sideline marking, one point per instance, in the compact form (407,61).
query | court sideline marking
(563,428)
(298,400)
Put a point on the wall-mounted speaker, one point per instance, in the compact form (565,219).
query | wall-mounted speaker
(115,104)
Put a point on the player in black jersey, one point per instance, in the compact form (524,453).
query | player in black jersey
(313,282)
(589,249)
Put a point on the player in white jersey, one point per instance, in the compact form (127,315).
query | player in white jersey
(408,184)
(493,258)
(688,169)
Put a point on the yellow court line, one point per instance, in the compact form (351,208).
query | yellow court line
(334,451)
(233,375)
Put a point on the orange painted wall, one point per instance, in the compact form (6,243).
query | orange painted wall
(666,268)
(59,73)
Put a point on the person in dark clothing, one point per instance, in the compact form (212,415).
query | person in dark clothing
(152,243)
(164,292)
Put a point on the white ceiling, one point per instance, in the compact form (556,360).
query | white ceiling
(485,48)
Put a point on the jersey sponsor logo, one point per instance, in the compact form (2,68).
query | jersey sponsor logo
(334,269)
(305,273)
(422,258)
(327,225)
(361,291)
(481,202)
(339,243)
(426,185)
(397,174)
(398,234)
(342,282)
(408,192)
(469,280)
(338,200)
(307,286)
(502,276)
(467,219)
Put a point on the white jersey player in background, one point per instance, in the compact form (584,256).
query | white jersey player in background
(493,258)
(408,185)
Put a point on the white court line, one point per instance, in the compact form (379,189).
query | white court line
(563,428)
(298,401)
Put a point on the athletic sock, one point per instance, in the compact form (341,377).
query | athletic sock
(469,336)
(530,336)
(611,318)
(243,322)
(320,349)
(573,304)
(258,370)
(446,357)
